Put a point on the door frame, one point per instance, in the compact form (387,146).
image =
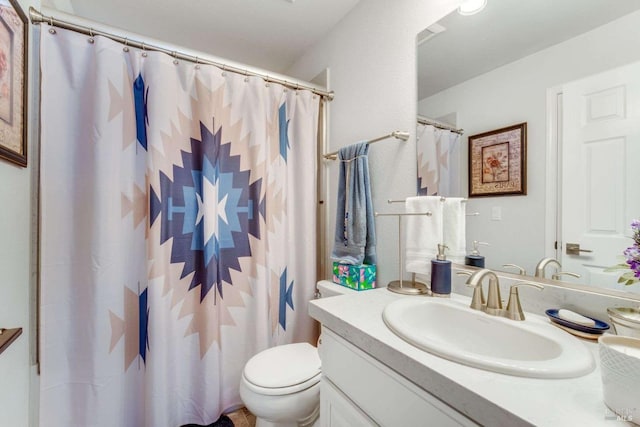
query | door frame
(553,185)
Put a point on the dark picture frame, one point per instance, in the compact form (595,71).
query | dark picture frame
(13,82)
(498,162)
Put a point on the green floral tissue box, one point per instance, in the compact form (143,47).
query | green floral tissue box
(359,277)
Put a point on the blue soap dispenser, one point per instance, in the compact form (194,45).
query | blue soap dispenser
(474,258)
(441,274)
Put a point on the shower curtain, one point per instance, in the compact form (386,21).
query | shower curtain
(438,154)
(174,201)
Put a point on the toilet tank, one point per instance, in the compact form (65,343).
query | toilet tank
(327,288)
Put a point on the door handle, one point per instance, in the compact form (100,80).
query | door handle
(574,249)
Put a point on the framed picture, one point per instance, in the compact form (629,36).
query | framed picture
(13,82)
(498,162)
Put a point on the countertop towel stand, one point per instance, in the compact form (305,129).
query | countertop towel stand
(402,286)
(395,134)
(8,336)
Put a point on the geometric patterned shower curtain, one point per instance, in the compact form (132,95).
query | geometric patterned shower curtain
(175,198)
(438,154)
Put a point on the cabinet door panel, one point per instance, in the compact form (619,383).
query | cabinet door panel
(387,398)
(337,410)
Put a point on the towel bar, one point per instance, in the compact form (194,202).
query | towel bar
(395,134)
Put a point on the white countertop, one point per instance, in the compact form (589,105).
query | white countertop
(489,398)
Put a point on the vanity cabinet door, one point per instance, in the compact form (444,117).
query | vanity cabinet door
(387,399)
(337,410)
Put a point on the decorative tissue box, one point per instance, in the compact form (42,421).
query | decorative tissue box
(359,277)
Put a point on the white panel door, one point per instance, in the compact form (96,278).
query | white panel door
(601,171)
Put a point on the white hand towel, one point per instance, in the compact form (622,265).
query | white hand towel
(454,234)
(422,233)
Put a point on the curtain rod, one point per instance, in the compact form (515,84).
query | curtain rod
(442,199)
(37,17)
(439,125)
(395,134)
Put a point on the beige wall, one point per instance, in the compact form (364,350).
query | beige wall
(371,56)
(16,281)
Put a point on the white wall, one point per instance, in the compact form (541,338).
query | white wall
(517,93)
(372,61)
(16,281)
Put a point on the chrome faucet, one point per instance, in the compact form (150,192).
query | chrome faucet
(494,302)
(521,271)
(493,305)
(514,309)
(544,262)
(564,273)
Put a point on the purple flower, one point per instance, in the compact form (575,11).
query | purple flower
(632,253)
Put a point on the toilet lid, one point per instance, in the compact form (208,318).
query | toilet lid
(283,366)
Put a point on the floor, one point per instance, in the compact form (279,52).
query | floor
(242,418)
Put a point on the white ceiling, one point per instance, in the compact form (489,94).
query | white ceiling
(268,34)
(506,30)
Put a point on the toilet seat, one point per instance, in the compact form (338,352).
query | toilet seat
(283,369)
(281,391)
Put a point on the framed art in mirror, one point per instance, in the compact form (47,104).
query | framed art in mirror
(13,82)
(498,162)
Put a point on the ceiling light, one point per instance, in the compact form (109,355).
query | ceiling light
(470,7)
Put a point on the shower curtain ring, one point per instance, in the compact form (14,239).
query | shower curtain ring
(175,57)
(126,48)
(246,75)
(144,51)
(51,30)
(197,63)
(224,70)
(91,40)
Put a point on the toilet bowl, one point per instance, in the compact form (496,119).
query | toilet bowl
(281,385)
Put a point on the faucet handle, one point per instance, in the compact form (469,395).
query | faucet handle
(514,309)
(521,271)
(564,273)
(477,300)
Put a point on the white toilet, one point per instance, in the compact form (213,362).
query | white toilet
(281,385)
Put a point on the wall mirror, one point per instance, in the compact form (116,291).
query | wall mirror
(570,70)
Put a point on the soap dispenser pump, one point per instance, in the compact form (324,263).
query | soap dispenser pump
(441,274)
(474,258)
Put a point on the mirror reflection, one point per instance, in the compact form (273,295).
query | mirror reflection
(570,69)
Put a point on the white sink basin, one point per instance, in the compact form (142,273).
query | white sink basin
(450,329)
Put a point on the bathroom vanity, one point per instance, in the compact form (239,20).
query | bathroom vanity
(373,377)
